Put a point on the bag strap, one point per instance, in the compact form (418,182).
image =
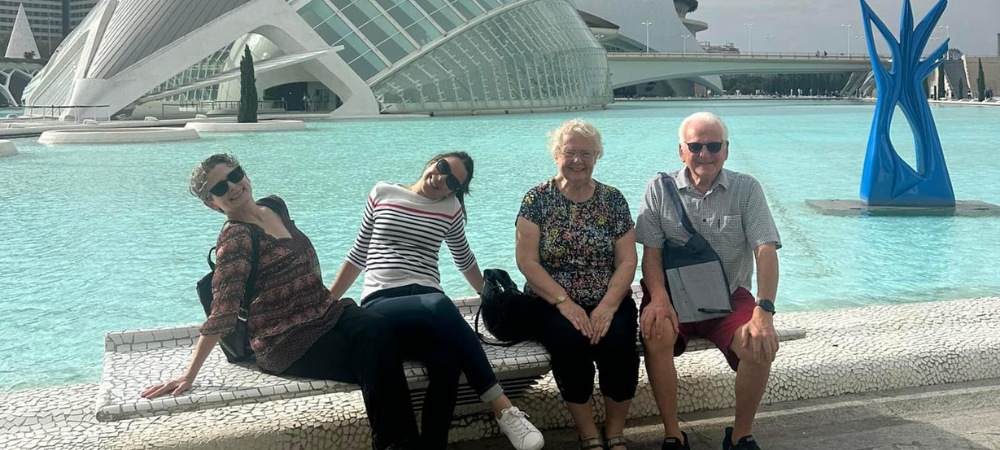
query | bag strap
(675,198)
(244,311)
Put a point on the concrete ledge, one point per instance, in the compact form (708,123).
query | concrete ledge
(855,208)
(235,127)
(136,359)
(7,148)
(117,136)
(857,350)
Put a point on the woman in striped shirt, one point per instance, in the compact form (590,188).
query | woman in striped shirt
(397,248)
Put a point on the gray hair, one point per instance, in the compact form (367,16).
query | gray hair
(199,176)
(705,117)
(577,127)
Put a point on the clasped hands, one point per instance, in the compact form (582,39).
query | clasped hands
(593,327)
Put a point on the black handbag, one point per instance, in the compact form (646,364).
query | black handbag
(693,272)
(236,344)
(506,311)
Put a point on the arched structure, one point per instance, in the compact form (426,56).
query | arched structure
(667,27)
(382,55)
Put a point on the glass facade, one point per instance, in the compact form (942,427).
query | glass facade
(439,55)
(211,65)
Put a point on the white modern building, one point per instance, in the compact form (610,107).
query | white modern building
(654,26)
(50,20)
(367,56)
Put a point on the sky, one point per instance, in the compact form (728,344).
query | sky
(807,26)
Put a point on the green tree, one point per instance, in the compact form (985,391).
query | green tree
(248,89)
(961,88)
(981,82)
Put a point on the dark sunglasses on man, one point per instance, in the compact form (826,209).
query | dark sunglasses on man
(235,176)
(450,180)
(712,147)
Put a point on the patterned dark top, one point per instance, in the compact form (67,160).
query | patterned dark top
(293,307)
(577,240)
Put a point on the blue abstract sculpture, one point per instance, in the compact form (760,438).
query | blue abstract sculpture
(887,179)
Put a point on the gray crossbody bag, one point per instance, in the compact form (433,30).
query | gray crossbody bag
(696,281)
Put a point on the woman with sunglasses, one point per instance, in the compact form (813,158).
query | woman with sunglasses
(576,248)
(397,247)
(296,327)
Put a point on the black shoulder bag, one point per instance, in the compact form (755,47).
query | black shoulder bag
(507,312)
(695,278)
(236,344)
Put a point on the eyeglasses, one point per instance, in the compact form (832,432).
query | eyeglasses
(584,156)
(712,147)
(450,180)
(235,176)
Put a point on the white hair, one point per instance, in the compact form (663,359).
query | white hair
(575,127)
(706,118)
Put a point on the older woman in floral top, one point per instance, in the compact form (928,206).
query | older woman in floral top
(576,247)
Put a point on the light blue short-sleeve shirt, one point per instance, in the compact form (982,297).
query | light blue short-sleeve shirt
(733,216)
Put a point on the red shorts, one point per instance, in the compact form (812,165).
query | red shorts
(720,331)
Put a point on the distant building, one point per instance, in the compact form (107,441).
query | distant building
(356,57)
(50,20)
(653,26)
(727,49)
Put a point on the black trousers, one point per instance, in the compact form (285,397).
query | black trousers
(361,349)
(573,357)
(430,329)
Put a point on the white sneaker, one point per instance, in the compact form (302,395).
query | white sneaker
(522,434)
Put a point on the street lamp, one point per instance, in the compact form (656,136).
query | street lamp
(647,24)
(685,36)
(848,28)
(749,26)
(768,40)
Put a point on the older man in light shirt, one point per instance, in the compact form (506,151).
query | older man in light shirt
(729,209)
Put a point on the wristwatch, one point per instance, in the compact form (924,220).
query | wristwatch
(560,299)
(766,305)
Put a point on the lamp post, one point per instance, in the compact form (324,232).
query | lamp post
(749,26)
(848,28)
(685,36)
(947,35)
(768,40)
(647,24)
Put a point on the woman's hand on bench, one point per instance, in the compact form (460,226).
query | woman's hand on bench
(174,387)
(182,383)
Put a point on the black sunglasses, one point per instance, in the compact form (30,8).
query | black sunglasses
(444,168)
(713,147)
(235,176)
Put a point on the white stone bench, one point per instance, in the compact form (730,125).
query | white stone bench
(136,359)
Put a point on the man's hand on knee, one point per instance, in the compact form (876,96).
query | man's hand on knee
(658,320)
(758,338)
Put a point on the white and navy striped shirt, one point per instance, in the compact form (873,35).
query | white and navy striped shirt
(400,238)
(732,216)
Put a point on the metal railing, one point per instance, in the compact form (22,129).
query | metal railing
(768,55)
(204,106)
(78,112)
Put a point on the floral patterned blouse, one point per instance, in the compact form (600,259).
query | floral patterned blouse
(577,240)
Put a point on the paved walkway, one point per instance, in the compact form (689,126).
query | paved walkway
(954,416)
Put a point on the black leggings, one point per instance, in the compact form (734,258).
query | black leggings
(573,357)
(361,349)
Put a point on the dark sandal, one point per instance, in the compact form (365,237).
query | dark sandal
(617,441)
(591,443)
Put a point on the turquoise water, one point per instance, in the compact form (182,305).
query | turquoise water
(96,239)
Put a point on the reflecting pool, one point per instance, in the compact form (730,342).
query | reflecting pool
(107,238)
